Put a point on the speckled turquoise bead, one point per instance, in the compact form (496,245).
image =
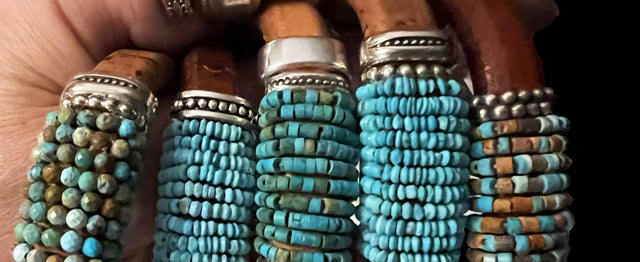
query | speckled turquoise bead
(96,225)
(127,128)
(193,227)
(276,254)
(448,124)
(414,106)
(87,181)
(339,97)
(304,221)
(424,194)
(31,234)
(311,185)
(20,252)
(376,254)
(310,166)
(104,163)
(107,184)
(86,118)
(66,115)
(66,153)
(108,122)
(412,244)
(193,156)
(542,125)
(71,197)
(516,225)
(51,238)
(408,86)
(36,191)
(76,219)
(542,184)
(71,241)
(193,208)
(304,203)
(35,173)
(419,228)
(122,171)
(64,133)
(91,247)
(418,176)
(408,210)
(81,136)
(209,245)
(38,211)
(518,243)
(307,147)
(84,158)
(37,255)
(303,238)
(415,158)
(310,130)
(204,143)
(17,230)
(52,119)
(47,152)
(120,149)
(319,113)
(56,215)
(70,176)
(415,140)
(520,164)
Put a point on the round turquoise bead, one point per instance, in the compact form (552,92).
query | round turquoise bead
(86,118)
(71,197)
(51,238)
(64,133)
(76,219)
(52,119)
(36,191)
(38,211)
(107,184)
(83,158)
(20,252)
(69,176)
(107,122)
(127,128)
(66,153)
(35,173)
(71,241)
(31,234)
(113,230)
(87,181)
(25,209)
(92,247)
(47,152)
(96,225)
(74,258)
(104,163)
(18,229)
(66,115)
(57,215)
(81,136)
(36,255)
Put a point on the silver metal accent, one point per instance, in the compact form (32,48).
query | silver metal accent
(518,111)
(508,97)
(225,9)
(483,114)
(533,109)
(111,93)
(545,108)
(500,112)
(406,46)
(307,80)
(178,8)
(490,99)
(202,103)
(217,116)
(300,54)
(524,96)
(215,106)
(538,95)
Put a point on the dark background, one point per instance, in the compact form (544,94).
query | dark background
(567,53)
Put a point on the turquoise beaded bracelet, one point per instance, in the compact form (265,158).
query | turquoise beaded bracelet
(209,174)
(323,241)
(280,254)
(310,130)
(308,166)
(521,244)
(542,184)
(561,221)
(307,147)
(410,210)
(409,86)
(339,98)
(304,221)
(414,244)
(415,140)
(304,203)
(414,106)
(424,194)
(415,158)
(312,185)
(520,164)
(316,113)
(542,125)
(212,129)
(194,156)
(399,227)
(375,254)
(205,143)
(203,209)
(204,191)
(186,226)
(556,255)
(431,123)
(207,245)
(419,176)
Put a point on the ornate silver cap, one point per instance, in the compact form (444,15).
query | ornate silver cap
(126,97)
(215,106)
(407,46)
(301,54)
(218,9)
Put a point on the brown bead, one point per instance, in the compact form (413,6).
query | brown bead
(536,242)
(49,134)
(53,194)
(100,142)
(504,186)
(522,205)
(530,224)
(502,206)
(504,165)
(104,163)
(91,202)
(54,258)
(51,173)
(493,224)
(110,208)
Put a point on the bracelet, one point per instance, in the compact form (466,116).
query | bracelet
(309,112)
(205,245)
(275,253)
(307,147)
(304,221)
(520,164)
(376,254)
(448,124)
(204,191)
(541,125)
(212,129)
(341,97)
(207,173)
(308,166)
(304,203)
(197,228)
(408,210)
(409,86)
(543,184)
(424,194)
(415,140)
(323,241)
(204,143)
(518,145)
(413,244)
(414,106)
(521,205)
(310,130)
(203,209)
(517,243)
(562,221)
(399,227)
(510,97)
(194,156)
(312,185)
(504,112)
(415,158)
(556,255)
(418,176)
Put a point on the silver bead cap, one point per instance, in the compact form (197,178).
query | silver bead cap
(305,80)
(123,96)
(407,46)
(300,53)
(215,106)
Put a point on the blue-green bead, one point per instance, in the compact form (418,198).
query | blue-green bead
(127,128)
(57,215)
(52,119)
(36,191)
(64,133)
(38,211)
(47,152)
(31,234)
(113,231)
(18,229)
(86,118)
(87,181)
(66,115)
(35,173)
(76,219)
(122,171)
(66,153)
(92,247)
(20,252)
(107,184)
(96,225)
(74,258)
(70,176)
(83,158)
(107,122)
(71,241)
(71,197)
(51,238)
(104,163)
(81,136)
(120,149)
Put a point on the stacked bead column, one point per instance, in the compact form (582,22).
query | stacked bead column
(309,149)
(208,164)
(88,158)
(518,160)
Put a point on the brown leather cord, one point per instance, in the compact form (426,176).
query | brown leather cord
(282,19)
(152,69)
(209,69)
(499,47)
(381,16)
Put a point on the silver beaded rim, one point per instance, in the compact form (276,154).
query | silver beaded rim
(301,80)
(509,105)
(177,8)
(406,46)
(126,97)
(215,106)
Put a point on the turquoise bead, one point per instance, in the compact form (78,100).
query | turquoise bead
(20,252)
(52,119)
(92,247)
(24,209)
(71,241)
(84,159)
(66,115)
(31,234)
(51,238)
(107,184)
(47,152)
(70,176)
(113,230)
(64,133)
(38,211)
(35,173)
(18,229)
(66,153)
(104,163)
(57,215)
(86,118)
(87,181)
(96,225)
(76,219)
(74,258)
(36,191)
(107,122)
(37,255)
(71,197)
(127,128)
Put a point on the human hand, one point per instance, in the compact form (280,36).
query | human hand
(44,43)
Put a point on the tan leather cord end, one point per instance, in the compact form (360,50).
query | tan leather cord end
(499,47)
(282,19)
(381,16)
(209,69)
(152,69)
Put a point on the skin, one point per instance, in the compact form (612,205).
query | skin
(44,43)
